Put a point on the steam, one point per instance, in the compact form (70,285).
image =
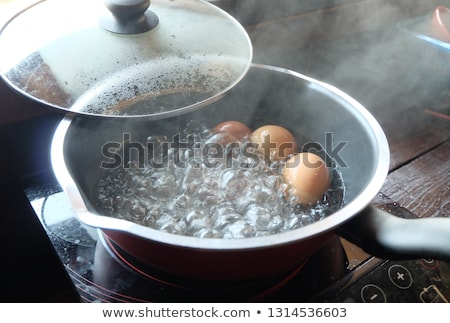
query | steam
(363,48)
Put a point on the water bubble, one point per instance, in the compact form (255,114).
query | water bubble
(258,217)
(245,198)
(137,212)
(239,229)
(196,221)
(163,186)
(150,218)
(225,215)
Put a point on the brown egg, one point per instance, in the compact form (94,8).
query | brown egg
(235,128)
(308,177)
(274,142)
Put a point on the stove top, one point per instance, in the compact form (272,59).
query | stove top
(103,272)
(340,272)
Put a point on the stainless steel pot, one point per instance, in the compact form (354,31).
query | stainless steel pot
(266,95)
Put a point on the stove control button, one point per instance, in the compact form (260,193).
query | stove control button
(400,276)
(432,294)
(430,263)
(371,293)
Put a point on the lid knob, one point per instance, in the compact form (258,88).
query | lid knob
(128,16)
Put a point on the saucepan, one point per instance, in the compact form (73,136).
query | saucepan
(311,109)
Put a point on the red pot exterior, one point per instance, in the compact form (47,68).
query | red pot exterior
(220,265)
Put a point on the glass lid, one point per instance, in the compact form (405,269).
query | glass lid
(124,57)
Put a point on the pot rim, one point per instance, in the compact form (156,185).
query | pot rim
(327,224)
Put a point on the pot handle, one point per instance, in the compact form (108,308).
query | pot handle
(387,236)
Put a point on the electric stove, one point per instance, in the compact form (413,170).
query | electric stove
(339,272)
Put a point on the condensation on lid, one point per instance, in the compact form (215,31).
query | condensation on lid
(56,52)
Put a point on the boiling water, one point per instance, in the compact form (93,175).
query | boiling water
(229,195)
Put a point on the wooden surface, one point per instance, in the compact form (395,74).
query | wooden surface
(423,185)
